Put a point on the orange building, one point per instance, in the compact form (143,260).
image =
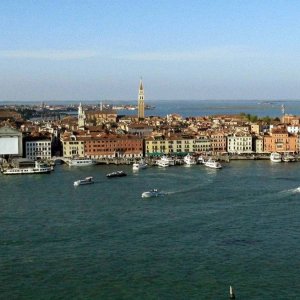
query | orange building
(280,140)
(218,142)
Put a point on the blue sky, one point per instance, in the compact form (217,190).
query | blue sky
(98,50)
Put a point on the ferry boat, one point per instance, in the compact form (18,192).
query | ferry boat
(80,162)
(189,160)
(86,180)
(116,174)
(275,157)
(39,168)
(211,163)
(152,193)
(139,165)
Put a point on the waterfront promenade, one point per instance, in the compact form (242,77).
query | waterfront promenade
(151,161)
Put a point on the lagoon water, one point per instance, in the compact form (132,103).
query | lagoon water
(236,226)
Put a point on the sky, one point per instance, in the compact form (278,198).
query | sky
(183,50)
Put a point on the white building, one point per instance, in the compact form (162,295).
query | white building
(10,141)
(38,150)
(239,143)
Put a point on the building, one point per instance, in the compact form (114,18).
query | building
(141,102)
(113,146)
(279,140)
(258,144)
(102,116)
(38,149)
(10,142)
(73,146)
(239,143)
(139,129)
(81,117)
(218,142)
(171,145)
(202,144)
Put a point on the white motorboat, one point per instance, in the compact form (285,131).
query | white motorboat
(275,157)
(189,160)
(39,168)
(287,157)
(139,165)
(200,160)
(211,163)
(169,160)
(81,162)
(152,193)
(165,161)
(116,174)
(87,180)
(162,163)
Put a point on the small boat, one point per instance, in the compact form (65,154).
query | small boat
(87,180)
(211,163)
(189,160)
(139,165)
(231,293)
(152,193)
(116,174)
(287,157)
(275,157)
(200,160)
(39,168)
(162,163)
(80,162)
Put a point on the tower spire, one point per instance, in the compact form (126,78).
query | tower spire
(141,101)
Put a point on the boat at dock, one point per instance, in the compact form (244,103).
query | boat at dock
(211,163)
(86,180)
(287,157)
(116,174)
(39,168)
(152,193)
(189,160)
(80,162)
(139,165)
(165,161)
(200,160)
(275,157)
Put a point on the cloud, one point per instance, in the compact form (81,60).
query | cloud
(208,54)
(48,54)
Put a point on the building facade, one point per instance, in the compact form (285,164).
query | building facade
(113,146)
(38,150)
(10,142)
(239,143)
(73,146)
(280,141)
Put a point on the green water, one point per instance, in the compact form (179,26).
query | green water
(237,226)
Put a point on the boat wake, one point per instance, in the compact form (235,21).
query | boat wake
(291,191)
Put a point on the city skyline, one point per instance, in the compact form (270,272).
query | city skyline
(94,50)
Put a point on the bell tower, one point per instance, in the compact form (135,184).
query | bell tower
(141,102)
(81,117)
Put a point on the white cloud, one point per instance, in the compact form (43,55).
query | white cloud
(48,54)
(208,54)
